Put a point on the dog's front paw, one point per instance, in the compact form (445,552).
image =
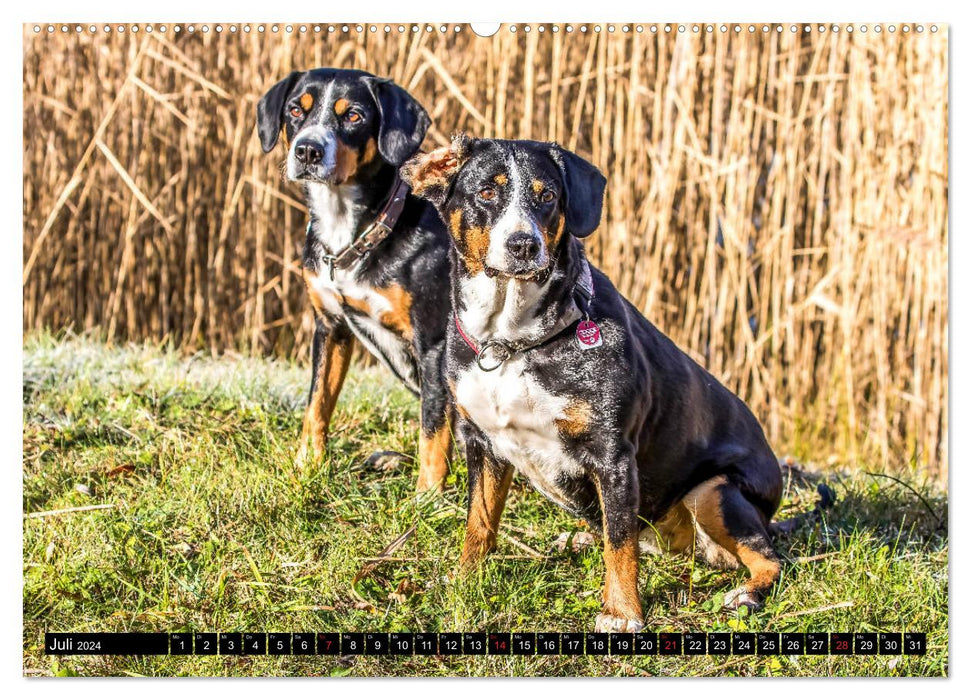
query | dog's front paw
(307,455)
(742,597)
(615,623)
(574,541)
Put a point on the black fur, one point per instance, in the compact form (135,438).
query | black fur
(660,424)
(403,121)
(583,189)
(388,126)
(269,111)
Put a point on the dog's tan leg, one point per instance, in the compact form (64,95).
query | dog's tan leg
(434,455)
(738,529)
(621,599)
(619,504)
(332,352)
(488,487)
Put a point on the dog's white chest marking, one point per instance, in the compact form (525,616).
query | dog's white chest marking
(504,309)
(390,347)
(331,207)
(337,225)
(519,418)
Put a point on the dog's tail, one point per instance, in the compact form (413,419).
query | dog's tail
(827,497)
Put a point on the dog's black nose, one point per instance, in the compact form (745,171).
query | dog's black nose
(309,152)
(522,246)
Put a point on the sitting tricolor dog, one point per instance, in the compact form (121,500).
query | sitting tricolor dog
(554,373)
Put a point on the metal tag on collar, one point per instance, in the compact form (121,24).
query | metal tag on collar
(501,351)
(589,335)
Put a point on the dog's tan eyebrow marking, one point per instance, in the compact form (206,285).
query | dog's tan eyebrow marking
(501,179)
(538,186)
(341,106)
(306,101)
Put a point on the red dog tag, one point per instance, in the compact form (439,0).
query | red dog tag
(588,335)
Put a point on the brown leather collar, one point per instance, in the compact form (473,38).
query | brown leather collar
(380,228)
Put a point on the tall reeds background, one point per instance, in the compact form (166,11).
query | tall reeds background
(777,200)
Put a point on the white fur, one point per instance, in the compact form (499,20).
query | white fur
(384,344)
(518,416)
(506,308)
(507,404)
(338,222)
(324,137)
(338,219)
(513,220)
(393,350)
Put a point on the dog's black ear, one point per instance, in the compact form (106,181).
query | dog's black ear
(269,112)
(403,121)
(584,186)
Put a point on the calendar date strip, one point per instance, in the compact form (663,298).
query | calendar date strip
(484,643)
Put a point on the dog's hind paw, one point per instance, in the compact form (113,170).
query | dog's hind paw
(742,597)
(574,541)
(615,623)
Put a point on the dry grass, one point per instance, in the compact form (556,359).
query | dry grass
(777,202)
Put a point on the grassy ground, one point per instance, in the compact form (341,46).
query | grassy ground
(212,528)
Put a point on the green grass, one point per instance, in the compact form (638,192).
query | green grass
(213,528)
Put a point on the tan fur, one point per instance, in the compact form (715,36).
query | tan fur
(705,503)
(330,378)
(620,596)
(434,455)
(340,106)
(501,179)
(485,510)
(307,101)
(316,299)
(473,242)
(476,247)
(370,151)
(575,420)
(696,524)
(435,168)
(347,163)
(764,572)
(398,318)
(553,234)
(360,305)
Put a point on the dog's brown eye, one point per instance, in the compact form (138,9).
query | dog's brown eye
(353,117)
(487,193)
(295,111)
(547,196)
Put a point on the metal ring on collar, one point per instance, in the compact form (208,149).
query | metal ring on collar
(494,344)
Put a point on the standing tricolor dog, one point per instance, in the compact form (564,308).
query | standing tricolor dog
(555,374)
(375,259)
